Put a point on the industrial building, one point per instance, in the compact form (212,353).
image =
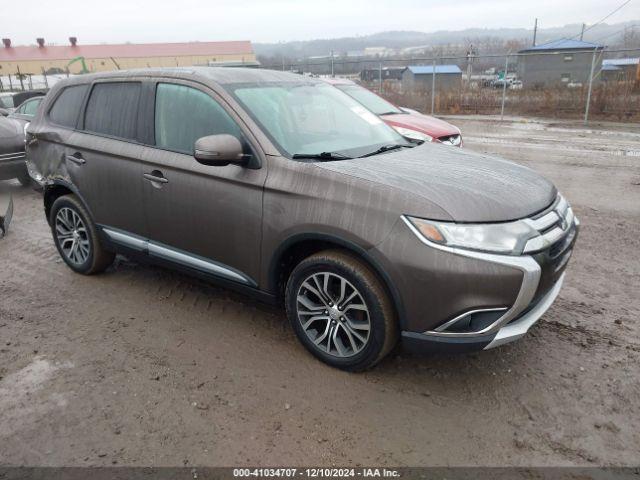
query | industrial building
(387,73)
(558,63)
(420,77)
(621,69)
(78,58)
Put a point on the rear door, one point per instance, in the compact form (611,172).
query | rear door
(103,157)
(204,217)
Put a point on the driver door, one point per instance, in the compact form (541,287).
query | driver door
(207,218)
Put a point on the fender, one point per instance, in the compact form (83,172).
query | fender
(68,185)
(347,245)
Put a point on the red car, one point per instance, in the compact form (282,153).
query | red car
(408,123)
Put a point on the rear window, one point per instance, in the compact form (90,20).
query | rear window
(112,109)
(67,106)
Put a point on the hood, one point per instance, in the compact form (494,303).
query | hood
(11,136)
(470,187)
(432,126)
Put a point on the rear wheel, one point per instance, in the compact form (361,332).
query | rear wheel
(76,237)
(340,311)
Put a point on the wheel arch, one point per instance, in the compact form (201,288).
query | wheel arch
(298,247)
(58,189)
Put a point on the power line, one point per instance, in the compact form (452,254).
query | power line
(628,27)
(602,19)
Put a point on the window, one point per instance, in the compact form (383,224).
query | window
(112,109)
(565,77)
(6,101)
(568,58)
(31,107)
(67,106)
(370,100)
(184,114)
(311,118)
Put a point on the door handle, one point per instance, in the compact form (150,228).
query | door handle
(76,158)
(155,176)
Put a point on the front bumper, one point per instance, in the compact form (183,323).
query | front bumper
(457,300)
(512,331)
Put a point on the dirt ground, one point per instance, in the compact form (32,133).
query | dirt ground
(142,366)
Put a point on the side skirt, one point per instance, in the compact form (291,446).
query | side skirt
(147,251)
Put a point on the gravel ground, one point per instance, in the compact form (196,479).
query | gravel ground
(142,366)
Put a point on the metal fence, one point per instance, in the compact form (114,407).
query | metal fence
(16,82)
(561,83)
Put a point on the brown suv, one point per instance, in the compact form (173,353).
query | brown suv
(285,187)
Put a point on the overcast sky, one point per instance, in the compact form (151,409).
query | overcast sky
(114,21)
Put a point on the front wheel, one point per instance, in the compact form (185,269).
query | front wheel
(340,310)
(76,237)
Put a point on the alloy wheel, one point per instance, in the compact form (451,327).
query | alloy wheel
(333,314)
(72,236)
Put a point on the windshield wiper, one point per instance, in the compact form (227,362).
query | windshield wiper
(386,148)
(390,113)
(324,156)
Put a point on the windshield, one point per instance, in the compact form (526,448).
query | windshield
(313,119)
(370,100)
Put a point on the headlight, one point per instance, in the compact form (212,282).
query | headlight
(506,238)
(413,134)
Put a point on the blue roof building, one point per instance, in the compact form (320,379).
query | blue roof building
(420,77)
(558,63)
(621,69)
(564,44)
(428,69)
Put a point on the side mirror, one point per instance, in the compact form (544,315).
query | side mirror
(219,150)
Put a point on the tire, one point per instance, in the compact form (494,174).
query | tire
(25,180)
(332,329)
(72,226)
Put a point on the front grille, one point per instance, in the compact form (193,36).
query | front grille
(553,224)
(454,140)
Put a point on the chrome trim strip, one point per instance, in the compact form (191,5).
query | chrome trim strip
(168,253)
(12,156)
(519,328)
(137,243)
(544,241)
(196,262)
(562,206)
(543,222)
(444,326)
(526,264)
(552,236)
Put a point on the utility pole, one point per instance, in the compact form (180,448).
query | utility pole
(504,86)
(433,88)
(593,65)
(332,75)
(582,32)
(20,78)
(535,32)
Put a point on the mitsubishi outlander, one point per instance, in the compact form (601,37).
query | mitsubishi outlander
(286,188)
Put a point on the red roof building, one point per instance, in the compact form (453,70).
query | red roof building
(43,58)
